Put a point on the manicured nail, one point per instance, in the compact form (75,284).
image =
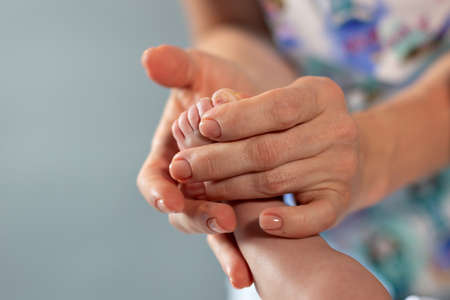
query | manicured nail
(214,226)
(181,169)
(159,204)
(270,222)
(210,128)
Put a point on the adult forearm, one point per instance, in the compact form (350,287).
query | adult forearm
(407,137)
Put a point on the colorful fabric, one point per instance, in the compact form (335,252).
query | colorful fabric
(373,48)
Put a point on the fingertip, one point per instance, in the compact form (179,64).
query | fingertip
(167,199)
(275,221)
(225,215)
(298,221)
(270,221)
(240,277)
(168,65)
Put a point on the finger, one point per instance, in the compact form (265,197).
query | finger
(201,216)
(288,178)
(271,111)
(218,161)
(305,220)
(154,181)
(170,66)
(159,189)
(231,259)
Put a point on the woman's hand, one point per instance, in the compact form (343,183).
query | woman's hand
(192,74)
(298,139)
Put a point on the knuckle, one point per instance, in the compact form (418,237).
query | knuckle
(330,91)
(346,130)
(330,85)
(216,190)
(285,112)
(203,164)
(307,96)
(262,153)
(209,166)
(270,184)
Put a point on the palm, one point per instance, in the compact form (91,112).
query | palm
(213,73)
(191,75)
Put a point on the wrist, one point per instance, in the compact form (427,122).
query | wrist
(376,147)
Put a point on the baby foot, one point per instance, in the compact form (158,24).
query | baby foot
(186,131)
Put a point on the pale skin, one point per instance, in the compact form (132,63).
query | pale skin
(370,154)
(278,270)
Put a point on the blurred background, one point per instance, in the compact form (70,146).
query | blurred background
(77,115)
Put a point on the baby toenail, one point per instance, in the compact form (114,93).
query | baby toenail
(180,169)
(210,128)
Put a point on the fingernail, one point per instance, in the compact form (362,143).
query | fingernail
(181,169)
(214,226)
(210,128)
(270,222)
(161,206)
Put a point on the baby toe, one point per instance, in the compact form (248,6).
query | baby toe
(178,135)
(224,95)
(203,105)
(193,117)
(184,125)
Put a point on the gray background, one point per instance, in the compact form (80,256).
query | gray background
(76,117)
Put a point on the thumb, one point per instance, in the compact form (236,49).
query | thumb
(303,220)
(170,66)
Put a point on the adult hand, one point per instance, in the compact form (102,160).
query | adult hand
(192,74)
(298,139)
